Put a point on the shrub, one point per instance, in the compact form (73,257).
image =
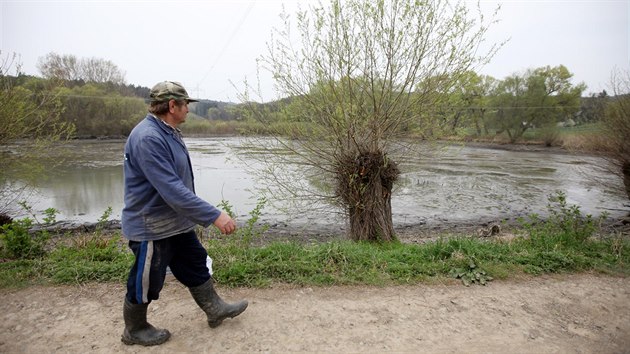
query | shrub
(565,225)
(17,241)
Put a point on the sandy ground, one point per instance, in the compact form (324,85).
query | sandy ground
(560,314)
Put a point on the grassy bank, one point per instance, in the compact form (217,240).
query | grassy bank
(340,262)
(566,242)
(470,259)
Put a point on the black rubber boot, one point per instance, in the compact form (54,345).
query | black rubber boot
(138,330)
(215,308)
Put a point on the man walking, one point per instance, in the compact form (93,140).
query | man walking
(160,213)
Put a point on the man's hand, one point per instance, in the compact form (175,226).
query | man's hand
(225,223)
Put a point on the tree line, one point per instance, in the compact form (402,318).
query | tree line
(481,105)
(93,96)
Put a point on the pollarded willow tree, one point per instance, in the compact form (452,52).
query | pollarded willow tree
(359,75)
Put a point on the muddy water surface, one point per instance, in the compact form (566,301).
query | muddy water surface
(449,184)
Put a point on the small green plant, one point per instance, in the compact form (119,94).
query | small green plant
(50,216)
(102,221)
(96,238)
(616,246)
(251,229)
(471,274)
(227,207)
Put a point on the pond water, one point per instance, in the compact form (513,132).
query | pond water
(452,184)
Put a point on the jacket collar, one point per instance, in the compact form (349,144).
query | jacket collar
(165,126)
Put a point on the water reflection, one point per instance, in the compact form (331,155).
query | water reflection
(83,193)
(454,183)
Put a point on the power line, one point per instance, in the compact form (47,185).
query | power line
(228,42)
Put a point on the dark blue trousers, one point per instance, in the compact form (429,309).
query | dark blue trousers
(183,253)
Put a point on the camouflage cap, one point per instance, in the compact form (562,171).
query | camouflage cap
(169,90)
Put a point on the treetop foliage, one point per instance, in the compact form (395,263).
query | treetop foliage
(70,68)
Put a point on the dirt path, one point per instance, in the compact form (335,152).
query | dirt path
(560,314)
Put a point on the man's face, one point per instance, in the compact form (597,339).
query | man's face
(179,112)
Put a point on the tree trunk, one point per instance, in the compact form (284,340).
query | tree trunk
(477,126)
(483,121)
(625,170)
(455,122)
(372,220)
(365,185)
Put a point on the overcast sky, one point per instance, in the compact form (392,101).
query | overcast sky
(211,45)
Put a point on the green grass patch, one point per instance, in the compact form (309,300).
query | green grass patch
(565,242)
(340,262)
(94,261)
(349,263)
